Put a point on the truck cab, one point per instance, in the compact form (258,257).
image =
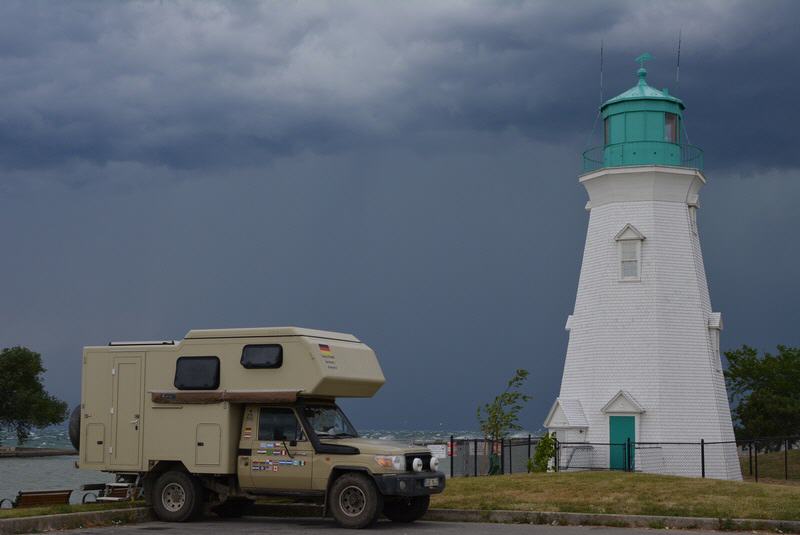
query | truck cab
(306,448)
(225,416)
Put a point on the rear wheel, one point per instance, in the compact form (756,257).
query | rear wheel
(406,510)
(177,497)
(355,501)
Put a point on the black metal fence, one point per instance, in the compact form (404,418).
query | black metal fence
(481,457)
(772,459)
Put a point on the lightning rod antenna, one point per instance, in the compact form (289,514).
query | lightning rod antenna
(601,72)
(678,62)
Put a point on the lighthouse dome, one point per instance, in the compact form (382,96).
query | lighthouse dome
(642,126)
(642,91)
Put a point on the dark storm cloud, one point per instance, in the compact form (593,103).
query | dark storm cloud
(201,85)
(402,170)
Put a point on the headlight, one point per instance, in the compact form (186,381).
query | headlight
(395,462)
(416,464)
(434,463)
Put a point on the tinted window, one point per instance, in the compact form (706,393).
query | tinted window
(197,373)
(262,356)
(278,424)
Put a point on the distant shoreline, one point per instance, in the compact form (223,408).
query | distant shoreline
(34,452)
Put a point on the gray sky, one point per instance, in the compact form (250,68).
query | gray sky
(403,171)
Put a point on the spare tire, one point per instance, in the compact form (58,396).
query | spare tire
(75,427)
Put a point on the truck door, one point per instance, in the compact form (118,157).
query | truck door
(126,410)
(282,455)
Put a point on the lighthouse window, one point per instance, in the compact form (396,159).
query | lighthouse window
(671,127)
(629,259)
(715,360)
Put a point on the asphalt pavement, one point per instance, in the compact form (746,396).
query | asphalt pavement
(252,525)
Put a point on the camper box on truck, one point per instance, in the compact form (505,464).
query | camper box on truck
(224,415)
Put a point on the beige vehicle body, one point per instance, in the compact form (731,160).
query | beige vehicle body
(219,405)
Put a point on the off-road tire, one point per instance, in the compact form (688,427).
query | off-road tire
(75,428)
(177,497)
(405,510)
(233,508)
(355,501)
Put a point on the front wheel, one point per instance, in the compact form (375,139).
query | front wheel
(405,510)
(177,497)
(355,501)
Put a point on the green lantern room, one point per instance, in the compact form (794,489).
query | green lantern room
(642,126)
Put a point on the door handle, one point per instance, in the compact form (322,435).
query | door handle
(135,421)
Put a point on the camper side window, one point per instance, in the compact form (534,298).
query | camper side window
(262,356)
(197,373)
(278,424)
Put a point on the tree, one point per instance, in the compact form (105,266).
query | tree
(545,450)
(764,392)
(498,418)
(24,403)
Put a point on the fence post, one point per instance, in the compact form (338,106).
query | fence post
(755,447)
(475,456)
(750,456)
(529,451)
(558,454)
(502,456)
(452,457)
(510,456)
(630,460)
(625,455)
(786,459)
(703,457)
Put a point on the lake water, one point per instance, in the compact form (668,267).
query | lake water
(41,473)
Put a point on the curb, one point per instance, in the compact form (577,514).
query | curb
(31,524)
(560,519)
(595,519)
(143,514)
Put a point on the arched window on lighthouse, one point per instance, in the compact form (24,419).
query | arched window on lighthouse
(629,247)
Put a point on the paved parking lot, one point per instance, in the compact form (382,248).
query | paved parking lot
(313,527)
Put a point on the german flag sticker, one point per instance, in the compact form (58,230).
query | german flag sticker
(325,350)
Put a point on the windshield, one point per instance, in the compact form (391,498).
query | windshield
(329,421)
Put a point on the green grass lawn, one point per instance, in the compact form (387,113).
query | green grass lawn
(623,493)
(58,509)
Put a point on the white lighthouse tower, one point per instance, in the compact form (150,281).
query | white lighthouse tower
(643,370)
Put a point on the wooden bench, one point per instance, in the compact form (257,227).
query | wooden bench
(35,498)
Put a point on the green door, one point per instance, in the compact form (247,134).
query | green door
(622,429)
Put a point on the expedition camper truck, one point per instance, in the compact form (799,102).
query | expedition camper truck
(225,415)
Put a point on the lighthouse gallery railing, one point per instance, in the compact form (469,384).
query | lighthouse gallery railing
(635,153)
